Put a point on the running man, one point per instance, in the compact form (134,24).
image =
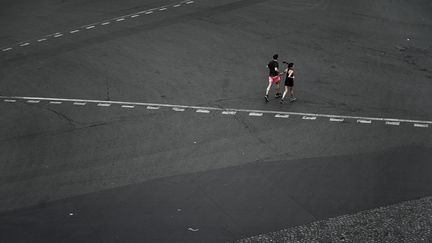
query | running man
(274,77)
(289,82)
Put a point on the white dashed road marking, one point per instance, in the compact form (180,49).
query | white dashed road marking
(202,111)
(24,44)
(224,111)
(149,12)
(229,112)
(79,103)
(104,104)
(43,39)
(364,121)
(309,118)
(255,114)
(121,19)
(73,31)
(58,35)
(7,49)
(134,16)
(105,23)
(281,116)
(55,102)
(392,123)
(90,27)
(421,125)
(332,119)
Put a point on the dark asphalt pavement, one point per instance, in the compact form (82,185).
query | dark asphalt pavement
(106,174)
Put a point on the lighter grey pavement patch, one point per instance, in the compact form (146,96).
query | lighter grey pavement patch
(409,221)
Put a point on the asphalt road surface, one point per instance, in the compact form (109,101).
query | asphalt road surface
(91,152)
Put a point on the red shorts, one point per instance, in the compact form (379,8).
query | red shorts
(274,79)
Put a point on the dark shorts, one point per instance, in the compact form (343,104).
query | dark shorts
(289,82)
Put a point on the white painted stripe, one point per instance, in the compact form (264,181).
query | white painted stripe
(7,49)
(421,125)
(9,101)
(153,107)
(33,101)
(392,123)
(255,114)
(177,5)
(178,109)
(120,19)
(336,119)
(309,117)
(58,35)
(229,112)
(162,9)
(281,116)
(149,12)
(222,109)
(134,16)
(25,44)
(189,2)
(105,23)
(55,102)
(103,104)
(202,111)
(90,27)
(43,39)
(364,121)
(79,103)
(74,31)
(128,106)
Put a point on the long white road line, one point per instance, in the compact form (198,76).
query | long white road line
(251,112)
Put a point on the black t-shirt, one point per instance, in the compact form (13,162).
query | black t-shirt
(272,68)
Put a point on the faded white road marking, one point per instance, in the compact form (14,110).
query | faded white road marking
(189,2)
(79,103)
(134,16)
(128,106)
(7,49)
(55,102)
(177,5)
(392,123)
(74,31)
(362,121)
(43,39)
(58,35)
(104,104)
(120,19)
(25,44)
(9,101)
(255,114)
(229,112)
(332,119)
(281,116)
(178,109)
(420,123)
(309,117)
(33,101)
(202,111)
(162,9)
(149,12)
(105,23)
(153,107)
(90,27)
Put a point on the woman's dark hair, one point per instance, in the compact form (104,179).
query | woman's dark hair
(275,56)
(290,65)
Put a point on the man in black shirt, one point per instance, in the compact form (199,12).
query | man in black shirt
(274,77)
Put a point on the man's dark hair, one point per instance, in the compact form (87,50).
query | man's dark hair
(290,65)
(275,56)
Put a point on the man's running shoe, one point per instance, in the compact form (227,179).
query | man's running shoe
(282,101)
(266,98)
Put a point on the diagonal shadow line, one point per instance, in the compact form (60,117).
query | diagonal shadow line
(16,60)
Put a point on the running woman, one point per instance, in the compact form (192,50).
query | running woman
(274,77)
(289,82)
